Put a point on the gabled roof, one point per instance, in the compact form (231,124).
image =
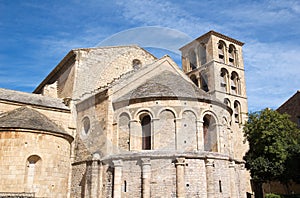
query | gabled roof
(165,84)
(32,99)
(27,118)
(103,57)
(163,78)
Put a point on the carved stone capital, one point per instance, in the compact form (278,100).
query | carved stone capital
(117,163)
(231,164)
(146,161)
(209,162)
(180,161)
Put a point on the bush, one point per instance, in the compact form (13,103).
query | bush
(271,195)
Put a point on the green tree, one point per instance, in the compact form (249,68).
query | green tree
(272,139)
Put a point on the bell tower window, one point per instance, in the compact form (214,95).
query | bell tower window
(235,83)
(237,111)
(202,53)
(221,51)
(224,79)
(193,59)
(195,80)
(204,82)
(231,54)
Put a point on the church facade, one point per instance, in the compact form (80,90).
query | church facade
(119,122)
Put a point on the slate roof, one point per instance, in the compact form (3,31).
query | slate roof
(32,99)
(27,118)
(166,84)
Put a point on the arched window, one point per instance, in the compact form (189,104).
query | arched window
(195,80)
(237,112)
(204,82)
(33,168)
(231,55)
(221,51)
(224,80)
(235,83)
(193,59)
(210,134)
(227,102)
(136,63)
(86,125)
(202,53)
(146,131)
(123,132)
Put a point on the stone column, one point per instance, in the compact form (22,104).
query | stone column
(155,135)
(209,163)
(146,177)
(95,178)
(242,181)
(233,192)
(226,55)
(199,81)
(115,138)
(178,145)
(236,58)
(135,135)
(100,181)
(180,188)
(220,138)
(117,189)
(200,142)
(197,57)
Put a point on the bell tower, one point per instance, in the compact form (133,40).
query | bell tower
(214,62)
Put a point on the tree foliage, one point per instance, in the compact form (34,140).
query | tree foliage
(274,142)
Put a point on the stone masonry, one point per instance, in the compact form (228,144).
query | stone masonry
(119,122)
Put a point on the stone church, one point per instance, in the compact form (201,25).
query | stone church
(119,122)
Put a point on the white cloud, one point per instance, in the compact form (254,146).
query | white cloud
(164,14)
(272,72)
(149,36)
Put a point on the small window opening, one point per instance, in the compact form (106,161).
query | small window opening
(86,125)
(195,80)
(136,64)
(125,186)
(204,82)
(220,186)
(298,121)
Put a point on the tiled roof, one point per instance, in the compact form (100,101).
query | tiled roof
(166,84)
(28,118)
(32,99)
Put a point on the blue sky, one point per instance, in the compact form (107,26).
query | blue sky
(35,35)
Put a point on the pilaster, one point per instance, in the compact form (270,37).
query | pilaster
(209,164)
(117,188)
(180,189)
(200,146)
(146,177)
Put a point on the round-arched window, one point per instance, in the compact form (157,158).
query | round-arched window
(86,124)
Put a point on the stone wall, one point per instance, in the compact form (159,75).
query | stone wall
(28,157)
(99,66)
(165,174)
